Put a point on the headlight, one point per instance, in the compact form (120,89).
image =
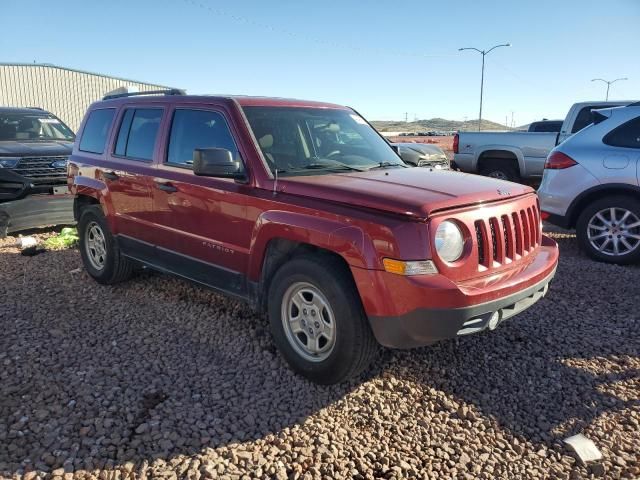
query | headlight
(9,162)
(449,241)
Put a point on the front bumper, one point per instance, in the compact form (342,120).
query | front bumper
(416,312)
(36,211)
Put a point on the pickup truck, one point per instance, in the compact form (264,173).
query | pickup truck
(305,212)
(518,156)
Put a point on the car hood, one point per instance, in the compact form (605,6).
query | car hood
(414,192)
(35,149)
(421,148)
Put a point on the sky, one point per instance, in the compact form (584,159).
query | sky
(383,59)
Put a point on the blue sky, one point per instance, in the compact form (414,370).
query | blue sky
(382,59)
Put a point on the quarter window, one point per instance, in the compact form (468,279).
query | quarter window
(138,133)
(626,135)
(96,129)
(193,129)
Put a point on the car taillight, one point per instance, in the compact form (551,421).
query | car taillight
(558,161)
(456,143)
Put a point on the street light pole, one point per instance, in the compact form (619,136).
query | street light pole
(608,82)
(484,53)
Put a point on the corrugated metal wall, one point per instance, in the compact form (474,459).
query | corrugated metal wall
(64,92)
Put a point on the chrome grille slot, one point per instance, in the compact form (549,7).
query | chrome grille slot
(41,170)
(482,254)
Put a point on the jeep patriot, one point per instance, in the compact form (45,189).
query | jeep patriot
(303,210)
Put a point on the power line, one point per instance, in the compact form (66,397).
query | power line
(320,41)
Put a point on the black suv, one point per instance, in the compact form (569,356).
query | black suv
(34,148)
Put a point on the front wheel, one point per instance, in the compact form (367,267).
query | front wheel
(317,320)
(608,230)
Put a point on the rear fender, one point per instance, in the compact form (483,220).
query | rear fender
(502,148)
(81,185)
(350,242)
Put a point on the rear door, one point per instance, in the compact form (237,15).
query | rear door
(201,225)
(133,149)
(622,162)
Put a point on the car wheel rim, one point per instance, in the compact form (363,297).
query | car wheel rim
(308,322)
(614,231)
(96,246)
(499,175)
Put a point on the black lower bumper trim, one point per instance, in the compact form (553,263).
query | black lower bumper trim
(36,211)
(426,326)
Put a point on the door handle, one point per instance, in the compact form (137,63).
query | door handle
(110,175)
(166,187)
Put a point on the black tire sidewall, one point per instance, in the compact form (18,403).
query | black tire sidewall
(94,214)
(510,173)
(348,315)
(583,222)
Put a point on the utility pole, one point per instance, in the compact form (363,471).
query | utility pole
(484,53)
(608,82)
(512,122)
(406,117)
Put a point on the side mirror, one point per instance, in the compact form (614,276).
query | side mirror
(216,162)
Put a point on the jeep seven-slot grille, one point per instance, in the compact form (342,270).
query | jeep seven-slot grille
(508,237)
(42,171)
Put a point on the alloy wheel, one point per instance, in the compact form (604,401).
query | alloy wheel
(96,245)
(614,231)
(308,321)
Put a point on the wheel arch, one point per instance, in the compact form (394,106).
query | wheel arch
(494,152)
(595,193)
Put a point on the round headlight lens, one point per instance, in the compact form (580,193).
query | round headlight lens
(449,241)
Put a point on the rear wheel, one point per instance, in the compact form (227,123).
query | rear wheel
(609,230)
(317,319)
(99,250)
(500,169)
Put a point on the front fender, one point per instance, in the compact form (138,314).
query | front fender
(348,241)
(81,185)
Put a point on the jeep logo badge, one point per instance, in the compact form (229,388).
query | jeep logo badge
(504,192)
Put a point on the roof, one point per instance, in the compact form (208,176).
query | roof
(242,100)
(22,110)
(85,72)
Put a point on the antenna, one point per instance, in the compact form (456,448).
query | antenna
(275,182)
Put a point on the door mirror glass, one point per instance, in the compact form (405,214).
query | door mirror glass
(216,162)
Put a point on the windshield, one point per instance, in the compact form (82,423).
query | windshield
(313,141)
(33,127)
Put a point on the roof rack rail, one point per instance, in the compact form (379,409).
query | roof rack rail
(171,91)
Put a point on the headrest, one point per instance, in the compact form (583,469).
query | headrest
(266,141)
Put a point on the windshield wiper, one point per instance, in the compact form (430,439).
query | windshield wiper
(387,165)
(335,166)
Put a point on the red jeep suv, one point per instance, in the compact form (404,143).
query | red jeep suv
(303,210)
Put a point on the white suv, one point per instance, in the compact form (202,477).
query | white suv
(591,182)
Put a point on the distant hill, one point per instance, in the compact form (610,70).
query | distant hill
(434,124)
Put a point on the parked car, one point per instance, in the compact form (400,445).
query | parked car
(517,156)
(546,126)
(34,147)
(303,210)
(591,183)
(422,155)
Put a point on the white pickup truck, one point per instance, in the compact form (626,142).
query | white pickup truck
(519,156)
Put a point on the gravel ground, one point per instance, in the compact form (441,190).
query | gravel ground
(157,378)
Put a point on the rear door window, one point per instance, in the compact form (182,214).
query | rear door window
(191,129)
(138,133)
(626,135)
(96,129)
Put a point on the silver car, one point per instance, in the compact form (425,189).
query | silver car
(591,183)
(423,155)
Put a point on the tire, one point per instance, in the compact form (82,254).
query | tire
(500,169)
(598,239)
(110,267)
(316,280)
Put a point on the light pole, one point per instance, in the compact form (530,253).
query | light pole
(608,82)
(483,53)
